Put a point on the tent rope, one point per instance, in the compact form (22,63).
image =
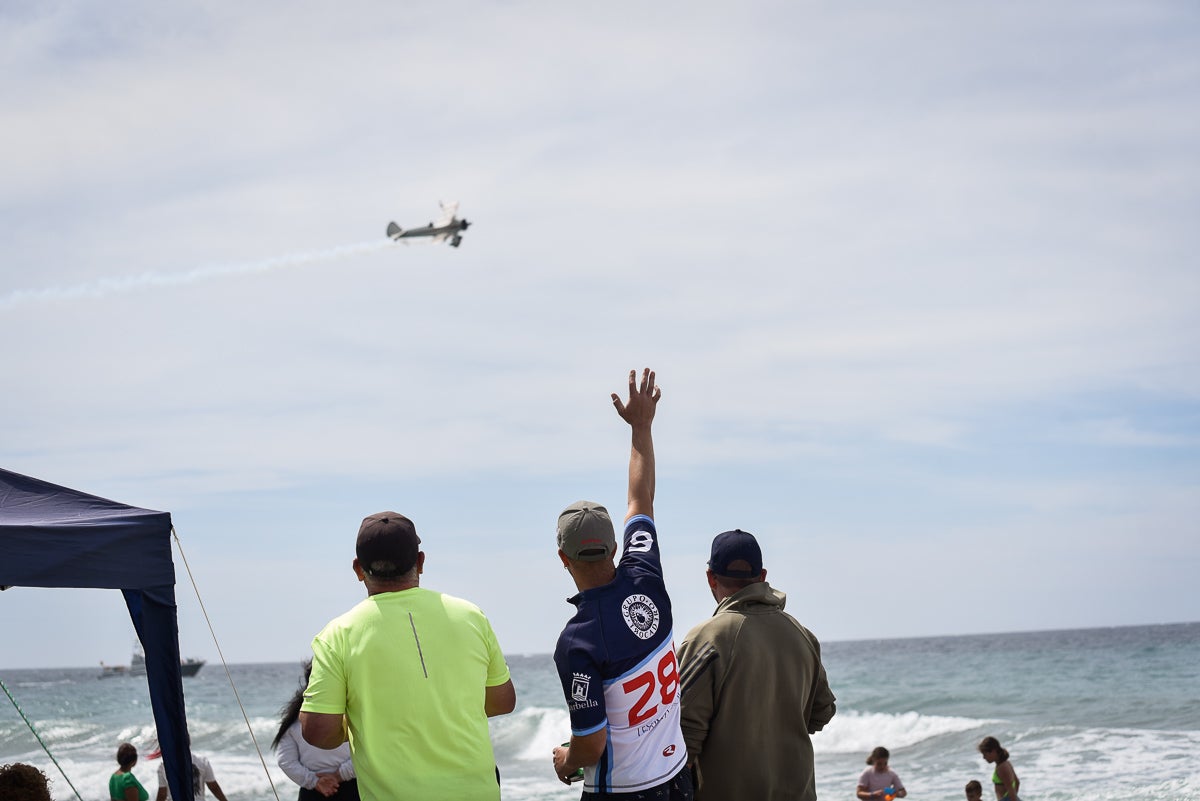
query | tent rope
(224,664)
(38,737)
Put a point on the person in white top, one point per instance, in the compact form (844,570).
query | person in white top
(322,774)
(202,776)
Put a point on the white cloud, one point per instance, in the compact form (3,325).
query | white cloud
(960,237)
(1122,432)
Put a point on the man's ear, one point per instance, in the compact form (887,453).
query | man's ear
(358,571)
(420,562)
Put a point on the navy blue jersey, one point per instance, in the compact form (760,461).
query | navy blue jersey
(616,661)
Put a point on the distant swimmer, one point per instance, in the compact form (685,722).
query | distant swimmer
(879,780)
(1004,778)
(448,226)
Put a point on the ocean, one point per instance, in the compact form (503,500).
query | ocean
(1102,714)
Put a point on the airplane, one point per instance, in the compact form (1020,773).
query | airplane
(448,226)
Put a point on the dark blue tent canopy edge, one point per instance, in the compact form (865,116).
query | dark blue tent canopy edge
(54,536)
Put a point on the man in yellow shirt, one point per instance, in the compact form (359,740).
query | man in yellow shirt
(410,676)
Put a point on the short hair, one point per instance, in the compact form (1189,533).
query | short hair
(975,787)
(21,782)
(879,753)
(126,755)
(735,584)
(399,578)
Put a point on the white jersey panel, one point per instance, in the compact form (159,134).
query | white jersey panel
(645,740)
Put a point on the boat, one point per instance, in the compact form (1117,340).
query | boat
(137,665)
(190,666)
(109,671)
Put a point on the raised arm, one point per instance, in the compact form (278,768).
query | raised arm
(638,411)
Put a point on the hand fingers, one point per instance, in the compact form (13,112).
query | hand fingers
(648,388)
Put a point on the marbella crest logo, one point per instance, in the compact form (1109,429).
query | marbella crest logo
(579,686)
(641,616)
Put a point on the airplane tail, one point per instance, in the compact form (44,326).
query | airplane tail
(394,230)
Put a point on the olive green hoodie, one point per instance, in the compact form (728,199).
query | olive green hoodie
(754,689)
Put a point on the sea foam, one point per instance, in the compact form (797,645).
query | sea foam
(531,733)
(858,732)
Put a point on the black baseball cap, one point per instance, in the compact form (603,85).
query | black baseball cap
(387,545)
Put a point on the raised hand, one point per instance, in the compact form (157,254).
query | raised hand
(643,400)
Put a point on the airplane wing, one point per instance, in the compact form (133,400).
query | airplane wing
(449,210)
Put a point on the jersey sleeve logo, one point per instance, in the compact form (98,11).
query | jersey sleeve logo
(580,682)
(641,616)
(640,542)
(579,686)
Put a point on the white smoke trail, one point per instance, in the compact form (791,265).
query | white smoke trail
(129,283)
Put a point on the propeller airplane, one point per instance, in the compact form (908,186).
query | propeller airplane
(448,226)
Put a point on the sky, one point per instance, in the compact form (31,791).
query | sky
(919,282)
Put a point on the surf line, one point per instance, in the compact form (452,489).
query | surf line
(38,737)
(103,287)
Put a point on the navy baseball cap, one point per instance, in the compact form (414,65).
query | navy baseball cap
(735,554)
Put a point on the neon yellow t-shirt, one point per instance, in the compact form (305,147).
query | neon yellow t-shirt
(409,670)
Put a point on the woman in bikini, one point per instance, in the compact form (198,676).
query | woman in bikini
(1004,778)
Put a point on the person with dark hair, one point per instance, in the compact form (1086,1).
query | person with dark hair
(616,656)
(750,650)
(123,785)
(321,773)
(878,779)
(410,676)
(974,790)
(1004,778)
(21,782)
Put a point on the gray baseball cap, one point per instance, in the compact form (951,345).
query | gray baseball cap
(585,532)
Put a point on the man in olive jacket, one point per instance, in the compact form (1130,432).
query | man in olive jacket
(753,685)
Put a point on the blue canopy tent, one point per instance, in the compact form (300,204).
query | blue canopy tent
(51,536)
